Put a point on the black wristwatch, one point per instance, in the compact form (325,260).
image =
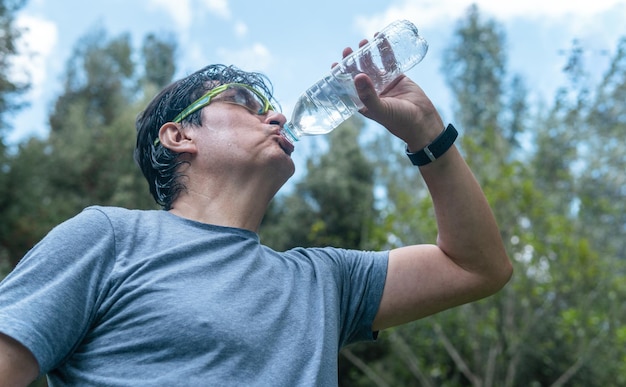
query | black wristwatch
(435,149)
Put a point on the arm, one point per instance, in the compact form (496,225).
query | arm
(469,261)
(18,366)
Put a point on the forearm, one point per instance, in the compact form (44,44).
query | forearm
(468,232)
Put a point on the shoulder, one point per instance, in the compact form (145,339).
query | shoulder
(118,217)
(96,216)
(97,226)
(346,261)
(337,254)
(112,213)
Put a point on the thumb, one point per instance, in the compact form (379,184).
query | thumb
(366,92)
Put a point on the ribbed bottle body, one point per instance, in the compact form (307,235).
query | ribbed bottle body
(333,99)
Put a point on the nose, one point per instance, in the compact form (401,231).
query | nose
(275,118)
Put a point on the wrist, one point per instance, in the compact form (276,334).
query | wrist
(437,148)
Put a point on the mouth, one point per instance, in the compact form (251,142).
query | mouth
(285,144)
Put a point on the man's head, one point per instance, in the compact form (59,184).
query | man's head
(159,164)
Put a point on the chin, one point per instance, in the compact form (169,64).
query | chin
(285,168)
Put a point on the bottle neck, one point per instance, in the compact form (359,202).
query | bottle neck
(290,132)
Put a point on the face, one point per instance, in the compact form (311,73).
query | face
(238,136)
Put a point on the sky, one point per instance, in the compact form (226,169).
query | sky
(295,42)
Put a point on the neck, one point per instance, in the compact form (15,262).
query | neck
(226,205)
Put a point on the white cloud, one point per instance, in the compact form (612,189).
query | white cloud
(218,7)
(179,10)
(35,48)
(254,58)
(543,8)
(241,29)
(182,12)
(430,13)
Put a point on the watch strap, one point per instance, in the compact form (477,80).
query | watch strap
(435,149)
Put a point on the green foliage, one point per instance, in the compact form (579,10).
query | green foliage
(475,65)
(98,81)
(159,54)
(10,90)
(560,208)
(87,157)
(9,37)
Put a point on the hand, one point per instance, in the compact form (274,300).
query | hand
(403,108)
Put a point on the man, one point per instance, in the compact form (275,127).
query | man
(189,296)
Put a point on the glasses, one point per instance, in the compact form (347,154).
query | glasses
(234,93)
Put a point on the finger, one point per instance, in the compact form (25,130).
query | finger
(366,60)
(387,55)
(346,51)
(350,66)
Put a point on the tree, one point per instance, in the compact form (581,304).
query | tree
(158,55)
(475,66)
(602,182)
(466,345)
(9,91)
(87,157)
(9,37)
(560,207)
(99,78)
(551,322)
(593,190)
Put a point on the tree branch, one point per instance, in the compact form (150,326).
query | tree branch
(567,375)
(410,358)
(367,370)
(456,356)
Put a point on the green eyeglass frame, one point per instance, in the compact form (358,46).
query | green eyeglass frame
(206,100)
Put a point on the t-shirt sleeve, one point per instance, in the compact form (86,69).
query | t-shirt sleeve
(361,291)
(50,299)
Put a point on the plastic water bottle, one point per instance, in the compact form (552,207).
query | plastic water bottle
(333,99)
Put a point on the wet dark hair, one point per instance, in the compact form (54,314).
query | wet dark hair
(160,165)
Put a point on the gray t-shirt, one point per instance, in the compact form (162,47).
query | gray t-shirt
(116,297)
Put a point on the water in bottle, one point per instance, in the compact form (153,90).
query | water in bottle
(333,99)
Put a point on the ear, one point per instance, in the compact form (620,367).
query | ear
(174,137)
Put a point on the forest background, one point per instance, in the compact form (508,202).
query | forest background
(553,173)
